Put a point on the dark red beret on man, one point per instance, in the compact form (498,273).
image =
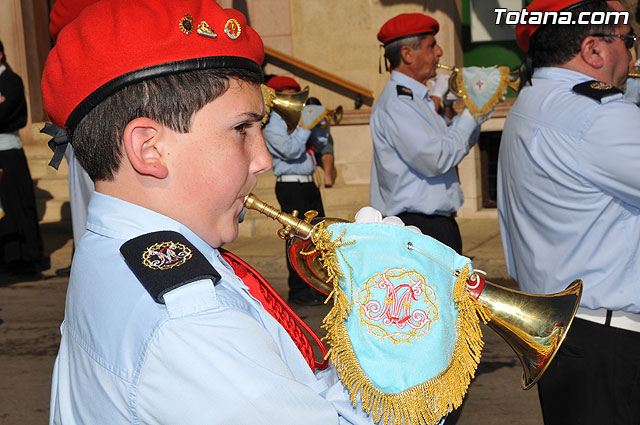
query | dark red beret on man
(524,32)
(110,44)
(282,82)
(407,25)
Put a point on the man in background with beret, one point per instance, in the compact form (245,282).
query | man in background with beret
(415,149)
(294,163)
(162,103)
(569,207)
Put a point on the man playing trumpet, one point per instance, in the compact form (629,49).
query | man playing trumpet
(294,163)
(415,149)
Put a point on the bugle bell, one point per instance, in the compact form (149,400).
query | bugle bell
(534,326)
(332,117)
(288,106)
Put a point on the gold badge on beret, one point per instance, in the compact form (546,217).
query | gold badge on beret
(232,28)
(186,24)
(206,30)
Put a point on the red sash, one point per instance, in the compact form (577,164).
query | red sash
(278,308)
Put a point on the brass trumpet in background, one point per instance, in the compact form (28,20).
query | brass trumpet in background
(534,326)
(288,106)
(332,117)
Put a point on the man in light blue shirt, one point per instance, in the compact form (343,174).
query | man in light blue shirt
(569,208)
(415,149)
(294,163)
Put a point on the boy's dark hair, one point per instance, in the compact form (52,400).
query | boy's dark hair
(170,100)
(556,44)
(392,50)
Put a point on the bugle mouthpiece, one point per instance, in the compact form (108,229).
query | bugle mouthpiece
(293,226)
(447,67)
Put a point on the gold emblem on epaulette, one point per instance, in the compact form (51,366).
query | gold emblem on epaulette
(599,85)
(232,28)
(165,255)
(206,30)
(186,24)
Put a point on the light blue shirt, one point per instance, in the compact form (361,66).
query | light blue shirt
(632,94)
(415,153)
(569,191)
(289,151)
(211,355)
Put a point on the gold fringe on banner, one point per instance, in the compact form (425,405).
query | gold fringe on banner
(422,404)
(493,101)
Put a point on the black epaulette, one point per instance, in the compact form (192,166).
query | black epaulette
(596,89)
(164,261)
(404,91)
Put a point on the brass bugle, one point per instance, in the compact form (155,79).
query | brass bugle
(534,326)
(332,117)
(292,224)
(288,106)
(633,75)
(453,80)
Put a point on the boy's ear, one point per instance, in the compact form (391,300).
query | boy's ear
(143,143)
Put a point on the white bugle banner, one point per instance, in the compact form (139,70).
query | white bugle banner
(482,88)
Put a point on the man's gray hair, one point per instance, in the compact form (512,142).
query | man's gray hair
(392,50)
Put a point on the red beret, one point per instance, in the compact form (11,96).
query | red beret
(407,25)
(280,82)
(524,32)
(115,43)
(64,12)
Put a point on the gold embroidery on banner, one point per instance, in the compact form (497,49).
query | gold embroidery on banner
(407,310)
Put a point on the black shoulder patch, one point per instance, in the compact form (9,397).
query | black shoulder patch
(404,91)
(164,261)
(596,89)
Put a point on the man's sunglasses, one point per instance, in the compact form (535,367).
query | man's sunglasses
(629,39)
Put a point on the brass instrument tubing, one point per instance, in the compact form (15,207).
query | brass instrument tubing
(447,67)
(300,227)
